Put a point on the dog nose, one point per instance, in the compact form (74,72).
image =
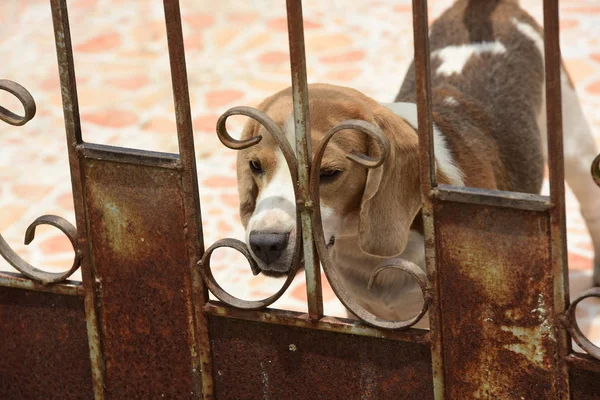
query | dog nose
(268,247)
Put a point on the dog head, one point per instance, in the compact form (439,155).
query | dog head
(376,205)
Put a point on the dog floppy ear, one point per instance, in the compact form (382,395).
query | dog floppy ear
(392,196)
(247,188)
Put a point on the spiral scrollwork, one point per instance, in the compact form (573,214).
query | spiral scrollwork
(63,225)
(573,326)
(332,275)
(365,160)
(29,270)
(288,153)
(24,97)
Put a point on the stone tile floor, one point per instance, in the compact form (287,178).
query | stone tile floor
(236,55)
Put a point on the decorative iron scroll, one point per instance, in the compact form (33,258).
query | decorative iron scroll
(570,316)
(290,159)
(412,269)
(573,326)
(24,97)
(365,160)
(62,224)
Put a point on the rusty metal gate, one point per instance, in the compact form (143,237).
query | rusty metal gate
(140,324)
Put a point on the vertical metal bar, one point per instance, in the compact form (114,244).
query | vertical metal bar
(68,87)
(303,152)
(201,355)
(557,186)
(427,172)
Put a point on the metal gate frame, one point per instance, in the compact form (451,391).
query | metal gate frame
(140,324)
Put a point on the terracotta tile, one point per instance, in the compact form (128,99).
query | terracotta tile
(31,192)
(131,83)
(403,8)
(280,24)
(56,244)
(194,41)
(218,98)
(274,57)
(593,333)
(103,96)
(86,3)
(583,10)
(159,124)
(206,123)
(328,41)
(111,118)
(198,21)
(66,201)
(150,31)
(51,83)
(224,36)
(243,17)
(220,181)
(224,227)
(351,56)
(344,75)
(568,24)
(268,86)
(100,43)
(10,214)
(256,41)
(215,211)
(580,69)
(231,200)
(594,88)
(578,262)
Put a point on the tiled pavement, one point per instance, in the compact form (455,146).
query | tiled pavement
(237,55)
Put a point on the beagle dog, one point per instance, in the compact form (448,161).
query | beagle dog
(488,102)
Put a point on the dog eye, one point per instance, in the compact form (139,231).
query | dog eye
(256,167)
(328,175)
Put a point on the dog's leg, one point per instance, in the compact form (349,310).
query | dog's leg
(579,152)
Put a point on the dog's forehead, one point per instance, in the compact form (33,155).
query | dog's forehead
(327,108)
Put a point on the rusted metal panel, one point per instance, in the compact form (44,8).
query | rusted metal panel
(140,260)
(497,299)
(44,350)
(584,374)
(585,385)
(255,360)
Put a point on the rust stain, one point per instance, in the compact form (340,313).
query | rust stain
(44,352)
(143,281)
(254,360)
(496,261)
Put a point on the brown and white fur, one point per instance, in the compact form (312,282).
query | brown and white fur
(489,112)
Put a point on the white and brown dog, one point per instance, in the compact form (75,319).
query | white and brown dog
(487,64)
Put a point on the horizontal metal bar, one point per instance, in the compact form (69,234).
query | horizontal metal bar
(18,281)
(497,198)
(330,324)
(583,362)
(129,156)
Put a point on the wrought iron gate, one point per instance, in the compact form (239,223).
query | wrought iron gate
(140,324)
